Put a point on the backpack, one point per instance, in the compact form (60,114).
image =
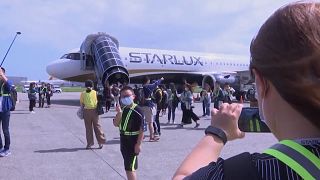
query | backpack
(175,99)
(157,96)
(164,99)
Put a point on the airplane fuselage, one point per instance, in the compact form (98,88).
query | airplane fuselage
(153,62)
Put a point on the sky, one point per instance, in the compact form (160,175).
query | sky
(50,28)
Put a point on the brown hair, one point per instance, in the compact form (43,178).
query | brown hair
(286,51)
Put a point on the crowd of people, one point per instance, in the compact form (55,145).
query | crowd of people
(44,92)
(140,108)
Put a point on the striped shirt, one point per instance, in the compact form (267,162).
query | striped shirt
(268,167)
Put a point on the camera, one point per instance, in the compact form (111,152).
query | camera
(250,121)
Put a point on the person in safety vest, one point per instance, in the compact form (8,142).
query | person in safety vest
(6,105)
(88,100)
(130,121)
(285,64)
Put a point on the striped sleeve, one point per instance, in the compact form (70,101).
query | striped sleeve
(268,168)
(214,171)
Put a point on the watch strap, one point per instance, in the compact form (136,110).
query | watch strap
(217,132)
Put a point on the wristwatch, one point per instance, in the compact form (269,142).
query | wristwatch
(217,132)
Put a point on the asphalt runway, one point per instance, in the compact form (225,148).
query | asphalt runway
(50,144)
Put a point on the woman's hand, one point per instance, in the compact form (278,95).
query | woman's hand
(227,119)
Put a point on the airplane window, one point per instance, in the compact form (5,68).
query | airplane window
(77,56)
(73,56)
(64,56)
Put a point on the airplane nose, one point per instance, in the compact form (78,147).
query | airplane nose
(53,69)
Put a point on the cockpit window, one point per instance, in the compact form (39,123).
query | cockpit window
(64,56)
(75,56)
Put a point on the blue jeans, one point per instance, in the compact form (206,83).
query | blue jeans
(4,120)
(207,107)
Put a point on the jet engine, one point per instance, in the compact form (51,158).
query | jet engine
(232,80)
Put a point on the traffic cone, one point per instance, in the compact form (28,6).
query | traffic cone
(241,100)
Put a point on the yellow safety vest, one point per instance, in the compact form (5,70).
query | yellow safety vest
(89,99)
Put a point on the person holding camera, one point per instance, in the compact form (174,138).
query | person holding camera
(285,51)
(6,105)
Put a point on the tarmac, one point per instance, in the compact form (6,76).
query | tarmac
(50,144)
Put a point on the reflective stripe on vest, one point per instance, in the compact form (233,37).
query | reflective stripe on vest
(297,157)
(123,128)
(1,92)
(130,133)
(257,123)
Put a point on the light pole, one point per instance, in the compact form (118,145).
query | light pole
(17,33)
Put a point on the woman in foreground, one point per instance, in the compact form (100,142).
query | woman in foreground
(285,62)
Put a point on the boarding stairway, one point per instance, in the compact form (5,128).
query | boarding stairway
(103,50)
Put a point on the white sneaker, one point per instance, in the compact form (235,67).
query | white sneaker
(32,112)
(5,153)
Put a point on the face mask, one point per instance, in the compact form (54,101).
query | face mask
(127,101)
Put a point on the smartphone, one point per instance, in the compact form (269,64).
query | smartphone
(250,121)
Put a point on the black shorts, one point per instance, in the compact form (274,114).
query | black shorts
(130,158)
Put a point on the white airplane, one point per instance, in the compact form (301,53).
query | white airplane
(172,65)
(99,52)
